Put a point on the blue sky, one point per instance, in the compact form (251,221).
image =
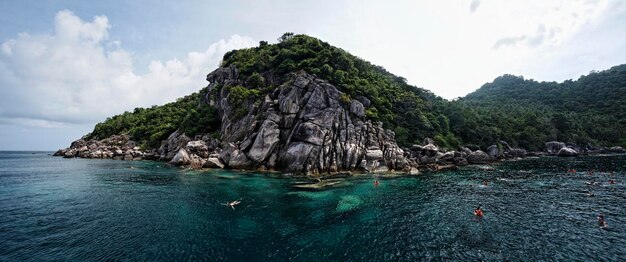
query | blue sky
(66,65)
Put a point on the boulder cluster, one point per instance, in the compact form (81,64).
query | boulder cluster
(115,147)
(429,156)
(555,148)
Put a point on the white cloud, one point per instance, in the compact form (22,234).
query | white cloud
(541,23)
(76,76)
(474,5)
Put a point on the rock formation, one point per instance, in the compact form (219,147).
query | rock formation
(303,125)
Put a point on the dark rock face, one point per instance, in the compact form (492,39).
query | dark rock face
(478,157)
(493,151)
(301,127)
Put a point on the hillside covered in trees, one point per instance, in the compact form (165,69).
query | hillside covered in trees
(522,112)
(528,113)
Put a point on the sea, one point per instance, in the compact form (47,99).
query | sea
(535,209)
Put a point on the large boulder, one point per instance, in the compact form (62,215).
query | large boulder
(617,149)
(515,152)
(553,147)
(566,151)
(239,160)
(172,145)
(357,108)
(198,147)
(181,158)
(265,142)
(213,162)
(493,151)
(478,157)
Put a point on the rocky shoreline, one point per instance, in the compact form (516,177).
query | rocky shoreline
(204,152)
(302,126)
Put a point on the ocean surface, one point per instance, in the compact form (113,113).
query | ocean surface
(535,209)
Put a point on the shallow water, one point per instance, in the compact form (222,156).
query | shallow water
(79,209)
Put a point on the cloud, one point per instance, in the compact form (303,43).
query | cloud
(553,23)
(76,76)
(507,41)
(474,5)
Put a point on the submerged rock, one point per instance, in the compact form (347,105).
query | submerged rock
(347,203)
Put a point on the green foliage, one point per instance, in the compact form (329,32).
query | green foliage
(149,126)
(394,102)
(255,80)
(346,99)
(238,95)
(528,113)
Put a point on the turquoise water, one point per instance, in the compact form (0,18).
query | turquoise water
(79,209)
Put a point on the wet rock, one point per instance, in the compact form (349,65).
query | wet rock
(566,151)
(459,161)
(553,147)
(478,157)
(213,162)
(493,151)
(198,147)
(617,149)
(181,158)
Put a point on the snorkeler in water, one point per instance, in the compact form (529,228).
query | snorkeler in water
(232,204)
(601,222)
(478,212)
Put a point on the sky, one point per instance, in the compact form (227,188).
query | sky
(67,65)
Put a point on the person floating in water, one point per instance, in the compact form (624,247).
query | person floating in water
(485,183)
(376,183)
(601,221)
(612,181)
(232,204)
(478,212)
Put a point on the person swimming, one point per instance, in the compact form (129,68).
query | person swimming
(485,183)
(612,181)
(232,204)
(601,222)
(376,183)
(478,212)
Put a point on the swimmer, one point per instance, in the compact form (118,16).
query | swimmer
(478,212)
(612,181)
(602,222)
(376,183)
(232,204)
(485,183)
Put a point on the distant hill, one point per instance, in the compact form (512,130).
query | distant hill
(528,113)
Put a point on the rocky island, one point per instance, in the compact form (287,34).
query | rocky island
(304,107)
